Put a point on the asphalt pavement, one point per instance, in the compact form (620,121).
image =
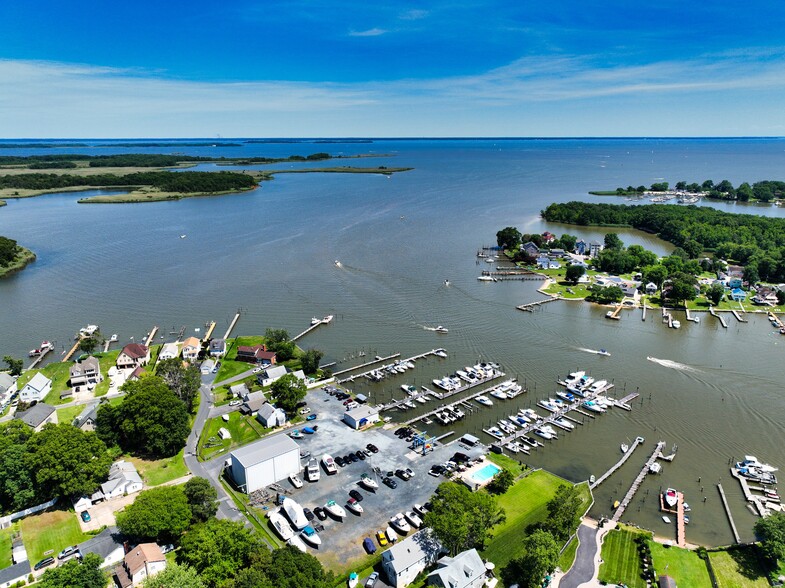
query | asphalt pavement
(583,569)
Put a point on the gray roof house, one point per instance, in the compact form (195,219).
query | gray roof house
(108,544)
(217,347)
(253,402)
(270,416)
(86,418)
(271,374)
(36,389)
(404,561)
(7,385)
(240,390)
(13,574)
(123,479)
(37,416)
(465,570)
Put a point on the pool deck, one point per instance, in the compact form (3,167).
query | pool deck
(474,484)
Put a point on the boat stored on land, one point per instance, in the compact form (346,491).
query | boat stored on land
(329,464)
(334,509)
(280,525)
(294,512)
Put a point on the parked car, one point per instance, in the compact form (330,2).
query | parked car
(372,448)
(371,581)
(361,455)
(352,405)
(85,516)
(390,482)
(68,551)
(356,495)
(340,461)
(305,410)
(381,537)
(44,563)
(353,457)
(403,475)
(256,370)
(369,546)
(311,417)
(235,402)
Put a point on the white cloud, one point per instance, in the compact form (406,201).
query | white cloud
(414,14)
(374,32)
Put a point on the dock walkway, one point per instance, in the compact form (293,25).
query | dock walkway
(209,332)
(727,512)
(614,314)
(231,325)
(41,357)
(151,336)
(738,316)
(398,403)
(625,402)
(757,501)
(364,374)
(311,328)
(451,405)
(529,307)
(637,482)
(366,364)
(776,319)
(618,464)
(714,313)
(73,349)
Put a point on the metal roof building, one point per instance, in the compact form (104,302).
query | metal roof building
(265,462)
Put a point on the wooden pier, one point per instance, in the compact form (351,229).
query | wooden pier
(714,313)
(398,403)
(209,332)
(40,358)
(643,311)
(637,482)
(727,512)
(151,336)
(618,464)
(614,314)
(502,274)
(691,318)
(758,502)
(362,375)
(624,403)
(72,350)
(311,328)
(773,317)
(738,316)
(532,305)
(667,317)
(231,325)
(362,365)
(681,539)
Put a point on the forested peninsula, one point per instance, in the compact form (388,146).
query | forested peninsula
(747,239)
(13,257)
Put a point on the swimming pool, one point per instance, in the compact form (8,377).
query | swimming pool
(483,475)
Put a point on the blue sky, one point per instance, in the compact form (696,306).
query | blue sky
(357,68)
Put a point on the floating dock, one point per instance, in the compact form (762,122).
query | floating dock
(618,464)
(727,512)
(532,305)
(624,403)
(637,482)
(758,502)
(614,314)
(691,318)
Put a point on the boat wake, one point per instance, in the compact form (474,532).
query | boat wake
(587,350)
(674,365)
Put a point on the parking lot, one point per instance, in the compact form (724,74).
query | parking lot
(342,540)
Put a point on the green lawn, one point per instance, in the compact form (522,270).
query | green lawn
(682,565)
(230,369)
(525,504)
(5,547)
(156,472)
(621,562)
(107,360)
(67,414)
(50,531)
(506,462)
(739,568)
(58,372)
(231,349)
(578,291)
(567,557)
(243,430)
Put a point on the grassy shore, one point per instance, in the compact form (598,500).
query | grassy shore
(621,561)
(23,258)
(152,195)
(2,203)
(84,170)
(387,171)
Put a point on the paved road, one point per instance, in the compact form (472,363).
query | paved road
(583,569)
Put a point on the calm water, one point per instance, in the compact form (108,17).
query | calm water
(717,395)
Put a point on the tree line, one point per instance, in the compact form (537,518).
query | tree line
(182,182)
(8,250)
(757,242)
(68,161)
(763,191)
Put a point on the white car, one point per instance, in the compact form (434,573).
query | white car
(235,402)
(305,410)
(256,370)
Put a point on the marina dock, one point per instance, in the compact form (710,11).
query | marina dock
(727,512)
(73,349)
(667,317)
(231,325)
(738,316)
(503,275)
(775,319)
(209,332)
(312,327)
(758,502)
(624,403)
(41,357)
(643,311)
(532,305)
(364,374)
(362,365)
(441,407)
(714,313)
(618,464)
(615,313)
(151,336)
(637,482)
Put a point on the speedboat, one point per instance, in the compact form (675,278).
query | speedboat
(485,279)
(499,394)
(327,319)
(598,386)
(495,432)
(440,353)
(625,448)
(671,497)
(676,324)
(603,352)
(296,434)
(334,509)
(369,482)
(392,536)
(544,434)
(312,472)
(354,506)
(310,535)
(329,464)
(593,406)
(113,338)
(413,519)
(419,510)
(354,579)
(294,512)
(280,525)
(484,400)
(666,519)
(296,481)
(751,461)
(399,523)
(564,423)
(565,396)
(315,321)
(295,541)
(441,329)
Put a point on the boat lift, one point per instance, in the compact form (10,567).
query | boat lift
(423,444)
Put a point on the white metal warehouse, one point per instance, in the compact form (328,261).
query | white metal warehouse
(265,462)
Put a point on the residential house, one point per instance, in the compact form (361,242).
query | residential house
(86,419)
(651,288)
(14,574)
(7,388)
(530,249)
(629,288)
(217,347)
(207,367)
(123,479)
(239,390)
(36,389)
(580,247)
(765,296)
(191,348)
(544,262)
(405,560)
(556,253)
(86,374)
(270,416)
(738,295)
(734,282)
(271,374)
(465,570)
(132,356)
(253,402)
(250,353)
(108,544)
(143,561)
(136,374)
(169,351)
(38,416)
(594,249)
(548,237)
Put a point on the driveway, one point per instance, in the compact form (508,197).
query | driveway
(236,378)
(585,566)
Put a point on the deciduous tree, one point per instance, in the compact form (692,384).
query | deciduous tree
(157,514)
(84,574)
(310,360)
(183,380)
(14,365)
(174,576)
(201,498)
(771,531)
(564,512)
(508,238)
(574,273)
(540,557)
(288,390)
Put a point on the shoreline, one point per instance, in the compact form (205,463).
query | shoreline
(24,258)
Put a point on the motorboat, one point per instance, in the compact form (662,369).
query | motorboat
(88,330)
(329,465)
(440,353)
(544,434)
(676,324)
(311,536)
(280,525)
(484,400)
(593,406)
(485,279)
(294,513)
(598,386)
(296,481)
(414,520)
(409,389)
(335,509)
(312,472)
(446,282)
(353,580)
(295,541)
(625,448)
(296,434)
(113,338)
(575,377)
(666,519)
(419,509)
(441,329)
(592,479)
(671,497)
(315,321)
(548,405)
(604,352)
(399,523)
(328,319)
(655,468)
(369,482)
(561,421)
(354,506)
(392,536)
(749,461)
(565,396)
(499,394)
(422,399)
(45,347)
(495,432)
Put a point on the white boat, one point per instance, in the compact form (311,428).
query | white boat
(413,519)
(354,506)
(485,279)
(337,263)
(392,536)
(752,461)
(88,330)
(294,512)
(280,525)
(490,259)
(310,536)
(422,399)
(312,473)
(328,319)
(353,580)
(329,464)
(676,324)
(298,543)
(564,423)
(183,236)
(495,432)
(369,482)
(625,448)
(334,509)
(499,394)
(296,481)
(544,434)
(441,329)
(484,400)
(315,321)
(593,406)
(446,282)
(592,479)
(113,338)
(603,352)
(440,353)
(399,523)
(598,386)
(419,509)
(666,519)
(671,497)
(409,389)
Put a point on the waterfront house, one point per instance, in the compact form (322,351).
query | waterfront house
(257,354)
(270,416)
(271,374)
(123,480)
(738,295)
(548,237)
(168,351)
(143,561)
(217,347)
(36,389)
(651,288)
(86,419)
(253,402)
(556,253)
(405,560)
(734,282)
(530,249)
(594,248)
(7,388)
(764,296)
(86,374)
(191,348)
(544,262)
(38,416)
(580,247)
(465,570)
(132,356)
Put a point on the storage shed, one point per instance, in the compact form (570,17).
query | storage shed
(265,462)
